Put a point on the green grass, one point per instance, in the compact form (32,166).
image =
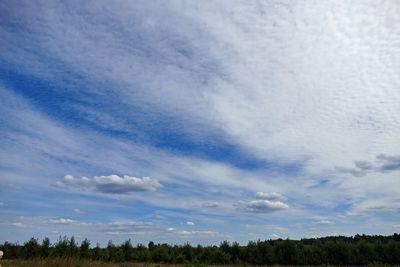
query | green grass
(89,263)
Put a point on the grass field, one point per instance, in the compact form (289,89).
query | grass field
(71,263)
(88,263)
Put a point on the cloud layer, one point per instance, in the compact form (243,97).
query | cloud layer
(219,100)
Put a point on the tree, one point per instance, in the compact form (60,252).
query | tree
(127,250)
(45,249)
(61,247)
(72,249)
(286,252)
(84,250)
(31,249)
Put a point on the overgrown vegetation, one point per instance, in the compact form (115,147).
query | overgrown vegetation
(338,250)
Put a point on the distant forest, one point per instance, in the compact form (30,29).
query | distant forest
(335,250)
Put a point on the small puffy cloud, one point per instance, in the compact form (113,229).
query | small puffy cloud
(69,180)
(264,203)
(261,206)
(78,211)
(270,196)
(190,223)
(112,184)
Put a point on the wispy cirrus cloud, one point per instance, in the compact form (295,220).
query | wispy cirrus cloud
(118,230)
(323,222)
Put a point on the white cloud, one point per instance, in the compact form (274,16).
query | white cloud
(190,223)
(1,204)
(261,206)
(373,207)
(265,203)
(78,211)
(270,196)
(274,236)
(64,221)
(20,224)
(112,184)
(69,180)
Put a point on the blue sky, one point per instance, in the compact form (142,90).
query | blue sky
(199,121)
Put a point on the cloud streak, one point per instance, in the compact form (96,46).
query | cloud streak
(270,196)
(383,164)
(112,184)
(117,230)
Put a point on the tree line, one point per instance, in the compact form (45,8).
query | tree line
(335,250)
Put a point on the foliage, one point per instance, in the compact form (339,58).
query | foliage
(334,250)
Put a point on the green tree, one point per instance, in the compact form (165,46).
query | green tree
(127,250)
(61,247)
(31,249)
(286,252)
(265,253)
(111,251)
(84,250)
(45,249)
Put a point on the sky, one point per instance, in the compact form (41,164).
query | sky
(199,121)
